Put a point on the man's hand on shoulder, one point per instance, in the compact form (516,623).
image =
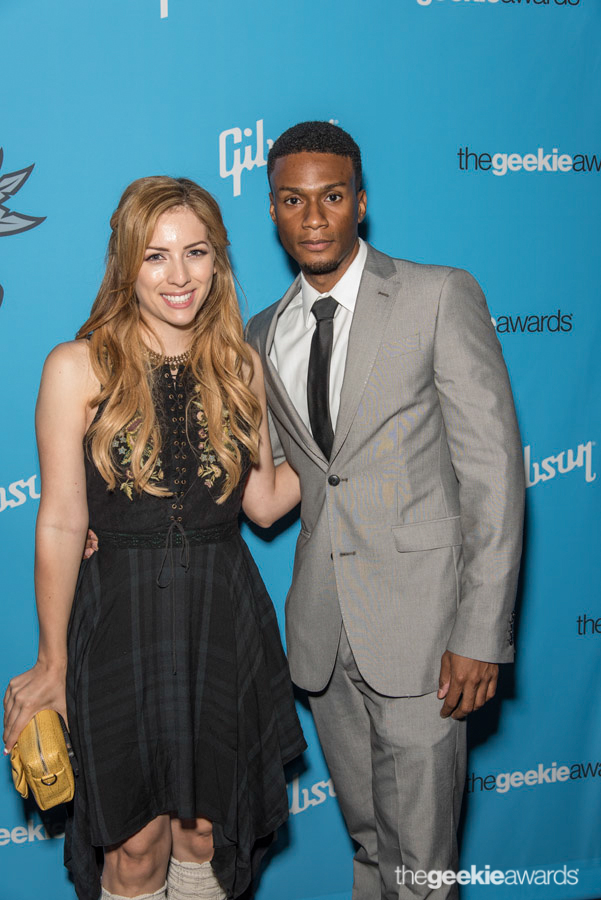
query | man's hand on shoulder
(465,684)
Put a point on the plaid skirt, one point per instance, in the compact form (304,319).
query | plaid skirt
(179,702)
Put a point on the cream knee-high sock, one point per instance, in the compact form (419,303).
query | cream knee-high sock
(187,879)
(161,894)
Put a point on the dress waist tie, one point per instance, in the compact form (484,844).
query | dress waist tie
(176,536)
(184,561)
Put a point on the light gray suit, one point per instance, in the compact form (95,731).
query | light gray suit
(411,533)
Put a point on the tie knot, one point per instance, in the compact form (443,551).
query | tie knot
(324,308)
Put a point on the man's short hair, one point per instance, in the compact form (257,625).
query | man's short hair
(316,137)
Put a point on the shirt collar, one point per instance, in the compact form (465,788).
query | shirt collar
(344,291)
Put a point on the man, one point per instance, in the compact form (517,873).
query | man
(389,396)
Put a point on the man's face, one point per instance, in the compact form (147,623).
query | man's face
(316,207)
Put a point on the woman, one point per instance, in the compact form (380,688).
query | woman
(152,428)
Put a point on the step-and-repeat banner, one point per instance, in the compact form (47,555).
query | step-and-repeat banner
(480,126)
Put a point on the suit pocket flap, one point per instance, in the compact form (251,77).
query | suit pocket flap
(428,535)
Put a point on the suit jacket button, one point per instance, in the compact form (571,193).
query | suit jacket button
(334,480)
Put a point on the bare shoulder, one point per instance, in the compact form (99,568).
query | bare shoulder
(69,356)
(71,361)
(68,368)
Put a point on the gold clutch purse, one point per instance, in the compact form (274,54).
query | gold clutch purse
(41,760)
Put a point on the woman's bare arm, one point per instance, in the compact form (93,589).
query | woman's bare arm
(62,417)
(271,491)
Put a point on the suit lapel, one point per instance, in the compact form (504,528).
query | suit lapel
(377,293)
(277,395)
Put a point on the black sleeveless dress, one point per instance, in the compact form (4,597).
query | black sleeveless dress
(178,692)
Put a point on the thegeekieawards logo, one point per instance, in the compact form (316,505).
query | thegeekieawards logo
(540,161)
(557,322)
(588,625)
(19,834)
(503,782)
(12,222)
(435,878)
(510,2)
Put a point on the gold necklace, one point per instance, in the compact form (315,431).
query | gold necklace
(172,361)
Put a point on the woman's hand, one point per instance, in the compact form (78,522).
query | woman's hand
(41,687)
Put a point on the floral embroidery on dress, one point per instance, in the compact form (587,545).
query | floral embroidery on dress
(210,468)
(123,444)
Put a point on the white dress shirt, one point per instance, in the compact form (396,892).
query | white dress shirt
(294,332)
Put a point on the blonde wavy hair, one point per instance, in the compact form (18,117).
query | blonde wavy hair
(220,363)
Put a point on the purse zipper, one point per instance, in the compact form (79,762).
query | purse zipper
(37,737)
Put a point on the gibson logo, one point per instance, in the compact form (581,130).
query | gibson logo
(232,162)
(560,464)
(17,493)
(303,798)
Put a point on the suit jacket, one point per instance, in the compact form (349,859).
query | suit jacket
(411,534)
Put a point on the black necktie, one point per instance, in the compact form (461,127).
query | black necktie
(318,377)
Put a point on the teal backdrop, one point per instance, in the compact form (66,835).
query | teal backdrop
(480,126)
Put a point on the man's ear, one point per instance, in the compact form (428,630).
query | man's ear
(361,205)
(274,218)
